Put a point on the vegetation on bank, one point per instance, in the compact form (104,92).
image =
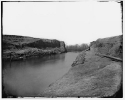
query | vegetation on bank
(75,48)
(22,47)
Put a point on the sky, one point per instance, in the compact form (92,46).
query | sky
(71,22)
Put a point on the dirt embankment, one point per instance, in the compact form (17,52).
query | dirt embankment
(91,75)
(112,46)
(21,47)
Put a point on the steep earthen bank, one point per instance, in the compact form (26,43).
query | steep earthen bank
(20,47)
(92,75)
(112,46)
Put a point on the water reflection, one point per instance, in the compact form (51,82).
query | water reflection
(29,77)
(33,62)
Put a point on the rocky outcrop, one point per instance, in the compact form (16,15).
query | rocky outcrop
(91,75)
(20,47)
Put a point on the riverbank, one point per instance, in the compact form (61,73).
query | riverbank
(21,47)
(92,75)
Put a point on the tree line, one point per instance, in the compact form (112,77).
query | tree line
(76,47)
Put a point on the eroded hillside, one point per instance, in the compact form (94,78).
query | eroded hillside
(110,46)
(20,47)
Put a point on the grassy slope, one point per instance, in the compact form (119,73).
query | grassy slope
(92,76)
(18,39)
(13,43)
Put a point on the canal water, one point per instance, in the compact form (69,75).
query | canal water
(30,77)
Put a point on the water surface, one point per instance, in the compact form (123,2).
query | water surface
(30,77)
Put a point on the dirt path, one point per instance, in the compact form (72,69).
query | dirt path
(111,57)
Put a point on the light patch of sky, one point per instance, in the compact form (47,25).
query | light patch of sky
(72,22)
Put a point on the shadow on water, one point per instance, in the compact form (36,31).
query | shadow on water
(35,61)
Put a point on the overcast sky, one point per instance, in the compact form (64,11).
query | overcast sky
(72,22)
